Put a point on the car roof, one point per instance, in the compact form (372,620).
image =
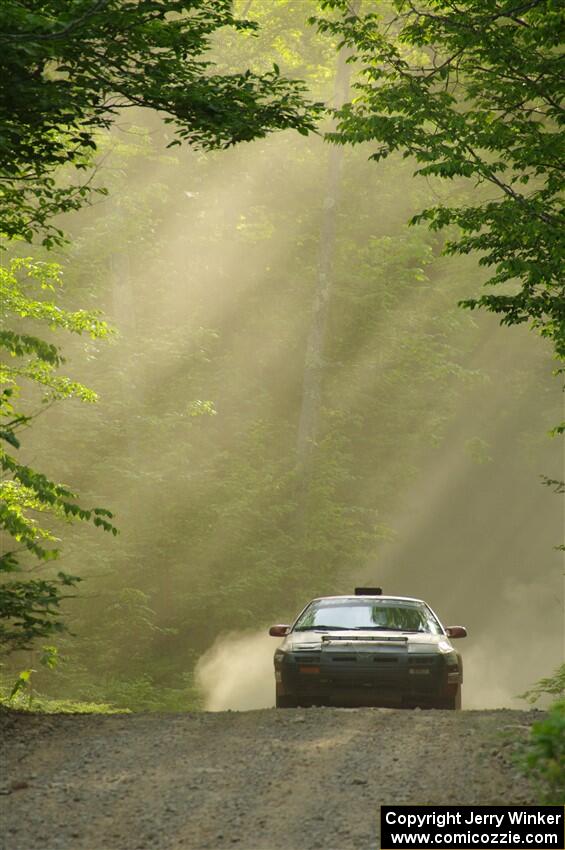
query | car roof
(373,596)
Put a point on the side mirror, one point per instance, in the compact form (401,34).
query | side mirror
(279,631)
(456,631)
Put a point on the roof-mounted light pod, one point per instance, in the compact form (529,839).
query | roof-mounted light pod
(368,591)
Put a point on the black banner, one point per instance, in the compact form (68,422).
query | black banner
(479,827)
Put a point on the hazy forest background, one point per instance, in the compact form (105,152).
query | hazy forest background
(432,431)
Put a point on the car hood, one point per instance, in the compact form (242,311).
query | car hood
(412,641)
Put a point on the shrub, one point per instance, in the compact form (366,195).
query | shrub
(544,755)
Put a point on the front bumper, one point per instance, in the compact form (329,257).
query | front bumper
(388,678)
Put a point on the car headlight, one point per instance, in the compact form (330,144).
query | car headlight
(279,655)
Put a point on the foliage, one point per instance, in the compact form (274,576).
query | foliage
(120,693)
(21,683)
(543,758)
(45,705)
(70,66)
(473,91)
(145,693)
(553,686)
(29,608)
(208,264)
(556,485)
(22,696)
(210,505)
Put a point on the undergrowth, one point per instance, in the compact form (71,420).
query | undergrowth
(542,757)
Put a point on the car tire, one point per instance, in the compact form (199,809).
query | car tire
(285,701)
(452,702)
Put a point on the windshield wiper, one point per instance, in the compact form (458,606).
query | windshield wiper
(374,628)
(323,629)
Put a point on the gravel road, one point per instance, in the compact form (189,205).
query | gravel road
(257,780)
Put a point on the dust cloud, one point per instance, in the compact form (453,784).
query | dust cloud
(516,650)
(237,672)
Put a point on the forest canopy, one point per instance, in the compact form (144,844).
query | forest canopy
(70,67)
(473,90)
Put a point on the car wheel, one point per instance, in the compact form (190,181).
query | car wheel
(452,702)
(285,701)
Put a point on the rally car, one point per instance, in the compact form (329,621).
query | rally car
(368,649)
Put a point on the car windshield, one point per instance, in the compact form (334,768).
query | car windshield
(389,614)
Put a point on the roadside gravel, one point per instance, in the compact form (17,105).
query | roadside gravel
(305,779)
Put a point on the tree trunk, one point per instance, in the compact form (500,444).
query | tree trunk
(314,365)
(123,299)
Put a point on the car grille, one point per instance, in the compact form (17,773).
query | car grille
(308,659)
(392,669)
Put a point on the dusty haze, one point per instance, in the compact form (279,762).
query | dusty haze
(434,422)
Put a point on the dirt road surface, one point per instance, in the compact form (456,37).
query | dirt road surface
(304,779)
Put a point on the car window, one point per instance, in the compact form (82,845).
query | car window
(368,614)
